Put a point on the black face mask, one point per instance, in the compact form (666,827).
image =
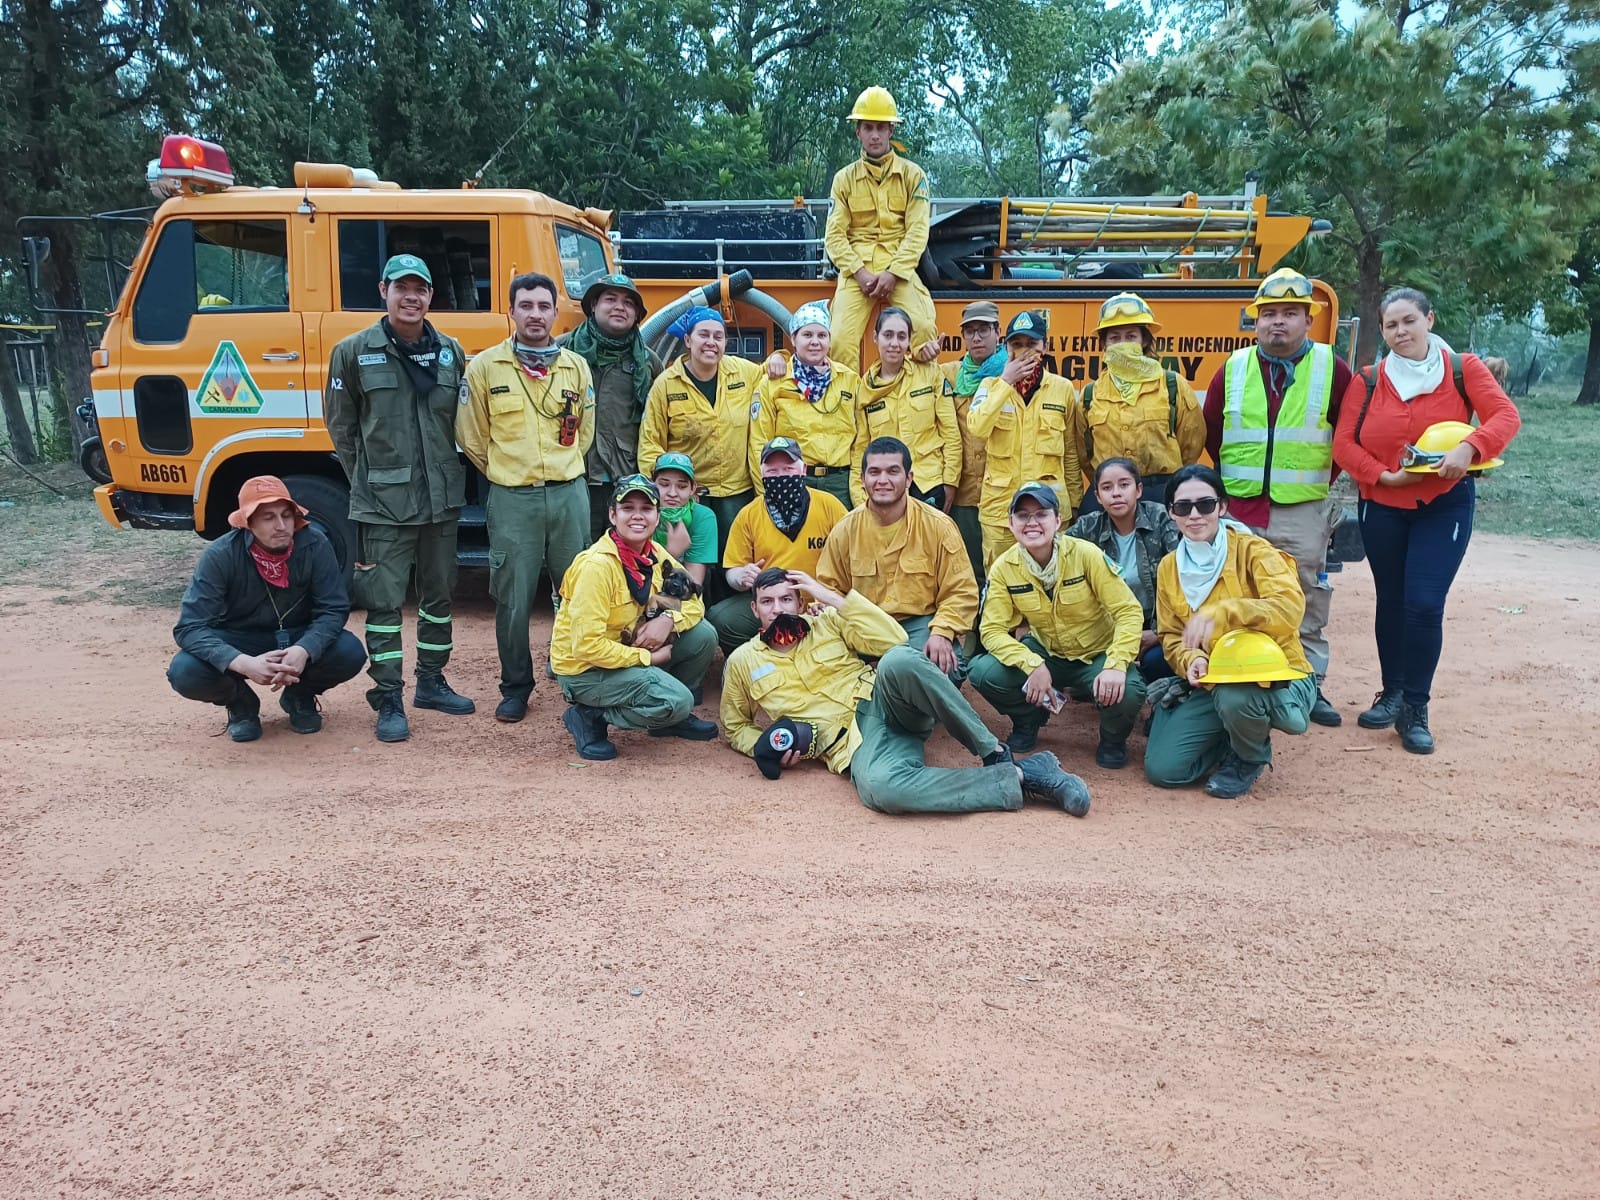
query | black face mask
(788,501)
(786,630)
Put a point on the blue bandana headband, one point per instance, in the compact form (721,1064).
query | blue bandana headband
(684,325)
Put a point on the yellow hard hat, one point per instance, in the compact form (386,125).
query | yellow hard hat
(875,104)
(1125,308)
(1247,656)
(1284,286)
(1436,441)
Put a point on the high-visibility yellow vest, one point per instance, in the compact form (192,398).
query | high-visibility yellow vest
(1302,438)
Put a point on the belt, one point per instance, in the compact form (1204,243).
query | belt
(539,483)
(820,471)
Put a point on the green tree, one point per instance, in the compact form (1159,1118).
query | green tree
(1418,128)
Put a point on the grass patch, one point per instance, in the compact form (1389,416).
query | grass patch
(1543,490)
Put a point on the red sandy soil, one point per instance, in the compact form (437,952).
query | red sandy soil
(473,966)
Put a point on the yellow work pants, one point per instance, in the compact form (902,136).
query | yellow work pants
(851,317)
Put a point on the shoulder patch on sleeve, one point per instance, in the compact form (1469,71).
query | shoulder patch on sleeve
(755,409)
(1115,568)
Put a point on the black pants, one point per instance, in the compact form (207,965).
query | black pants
(196,680)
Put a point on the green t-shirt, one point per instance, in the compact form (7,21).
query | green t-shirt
(702,524)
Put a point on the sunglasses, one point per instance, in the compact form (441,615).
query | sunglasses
(1182,508)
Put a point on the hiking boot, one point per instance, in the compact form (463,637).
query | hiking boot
(691,727)
(1024,735)
(1412,724)
(392,723)
(1384,711)
(433,692)
(588,729)
(1112,755)
(511,709)
(1000,754)
(1234,777)
(1323,713)
(305,715)
(697,695)
(244,714)
(1043,779)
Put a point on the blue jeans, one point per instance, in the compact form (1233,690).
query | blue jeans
(1414,554)
(1153,664)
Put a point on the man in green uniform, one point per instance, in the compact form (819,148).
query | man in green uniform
(390,409)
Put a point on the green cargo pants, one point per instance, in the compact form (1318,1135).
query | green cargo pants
(531,530)
(966,518)
(735,621)
(726,508)
(889,768)
(647,697)
(835,483)
(919,629)
(390,556)
(1001,686)
(1188,740)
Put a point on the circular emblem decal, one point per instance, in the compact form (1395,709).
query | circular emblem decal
(782,740)
(446,356)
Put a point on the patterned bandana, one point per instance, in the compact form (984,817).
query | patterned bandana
(812,312)
(970,374)
(536,361)
(786,630)
(813,381)
(1029,383)
(788,501)
(1281,370)
(639,568)
(274,568)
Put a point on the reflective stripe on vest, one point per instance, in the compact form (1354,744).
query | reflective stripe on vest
(1302,439)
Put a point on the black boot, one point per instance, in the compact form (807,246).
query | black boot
(392,723)
(1412,725)
(1111,754)
(301,705)
(1384,711)
(1043,779)
(1233,777)
(511,709)
(433,692)
(1324,713)
(588,729)
(244,714)
(1024,735)
(691,727)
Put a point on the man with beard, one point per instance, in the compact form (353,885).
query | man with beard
(622,370)
(906,558)
(787,526)
(1270,415)
(807,673)
(390,410)
(267,605)
(526,422)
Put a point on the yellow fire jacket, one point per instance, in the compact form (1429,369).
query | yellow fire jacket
(1091,611)
(1141,426)
(828,431)
(510,425)
(1259,588)
(917,568)
(820,681)
(918,407)
(880,226)
(596,607)
(717,440)
(974,451)
(1039,440)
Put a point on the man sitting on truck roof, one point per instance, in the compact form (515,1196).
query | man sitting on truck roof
(526,422)
(877,230)
(622,370)
(267,604)
(390,403)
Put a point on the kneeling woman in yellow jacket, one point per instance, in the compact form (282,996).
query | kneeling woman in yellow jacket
(913,402)
(1228,607)
(1033,427)
(811,400)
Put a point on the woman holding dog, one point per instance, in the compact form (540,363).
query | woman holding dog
(1404,435)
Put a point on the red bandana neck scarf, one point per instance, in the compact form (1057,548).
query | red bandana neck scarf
(274,568)
(639,568)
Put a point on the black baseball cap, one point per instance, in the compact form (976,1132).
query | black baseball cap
(1042,492)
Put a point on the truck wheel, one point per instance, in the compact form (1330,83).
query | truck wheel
(329,505)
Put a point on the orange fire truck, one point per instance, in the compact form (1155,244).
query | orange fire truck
(213,360)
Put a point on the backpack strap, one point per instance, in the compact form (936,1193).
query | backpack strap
(1088,430)
(1172,404)
(1369,376)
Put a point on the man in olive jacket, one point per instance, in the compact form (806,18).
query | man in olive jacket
(267,605)
(390,408)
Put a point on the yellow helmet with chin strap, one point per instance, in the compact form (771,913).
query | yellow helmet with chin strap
(876,104)
(1284,286)
(1126,308)
(1247,656)
(1436,441)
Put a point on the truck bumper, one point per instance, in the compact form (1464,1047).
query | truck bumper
(110,505)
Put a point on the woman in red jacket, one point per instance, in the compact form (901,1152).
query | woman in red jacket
(1416,526)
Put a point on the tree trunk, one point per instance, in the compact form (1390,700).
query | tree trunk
(1369,291)
(1589,393)
(22,443)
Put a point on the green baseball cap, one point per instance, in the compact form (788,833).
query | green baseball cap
(402,265)
(629,484)
(675,460)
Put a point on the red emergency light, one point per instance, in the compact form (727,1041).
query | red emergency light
(193,161)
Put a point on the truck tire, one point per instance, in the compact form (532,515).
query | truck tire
(329,505)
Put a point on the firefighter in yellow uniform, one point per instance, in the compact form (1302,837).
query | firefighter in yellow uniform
(911,401)
(815,402)
(985,359)
(1138,410)
(1032,425)
(700,406)
(876,233)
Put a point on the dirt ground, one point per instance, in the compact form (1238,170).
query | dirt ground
(473,966)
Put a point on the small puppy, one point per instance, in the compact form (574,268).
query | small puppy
(676,587)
